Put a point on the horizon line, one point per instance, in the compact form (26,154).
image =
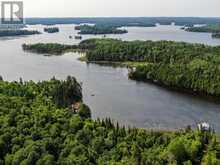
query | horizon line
(127,17)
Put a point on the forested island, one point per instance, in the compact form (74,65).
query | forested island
(9,33)
(212,28)
(51,30)
(216,35)
(98,29)
(40,125)
(49,48)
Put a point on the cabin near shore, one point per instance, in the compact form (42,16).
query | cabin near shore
(204,127)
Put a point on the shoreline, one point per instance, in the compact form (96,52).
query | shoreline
(189,92)
(133,65)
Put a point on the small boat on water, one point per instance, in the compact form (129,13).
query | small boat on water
(78,37)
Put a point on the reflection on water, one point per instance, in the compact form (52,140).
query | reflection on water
(107,90)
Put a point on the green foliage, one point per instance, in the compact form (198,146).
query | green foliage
(66,92)
(177,150)
(8,33)
(197,76)
(36,128)
(212,28)
(211,159)
(145,51)
(49,48)
(99,29)
(216,35)
(51,30)
(84,111)
(62,93)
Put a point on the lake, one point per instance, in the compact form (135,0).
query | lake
(107,90)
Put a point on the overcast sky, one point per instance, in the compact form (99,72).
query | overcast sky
(98,8)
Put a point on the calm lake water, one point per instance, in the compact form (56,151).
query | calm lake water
(129,102)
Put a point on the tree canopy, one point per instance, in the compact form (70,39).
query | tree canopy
(38,127)
(49,48)
(211,28)
(8,33)
(99,29)
(51,29)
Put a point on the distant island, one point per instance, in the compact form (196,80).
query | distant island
(50,48)
(51,30)
(9,33)
(216,35)
(98,29)
(215,28)
(126,21)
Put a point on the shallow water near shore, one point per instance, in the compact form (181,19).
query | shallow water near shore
(107,90)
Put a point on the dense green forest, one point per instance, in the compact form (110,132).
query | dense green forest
(180,65)
(98,29)
(8,33)
(38,126)
(51,30)
(213,28)
(49,48)
(146,51)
